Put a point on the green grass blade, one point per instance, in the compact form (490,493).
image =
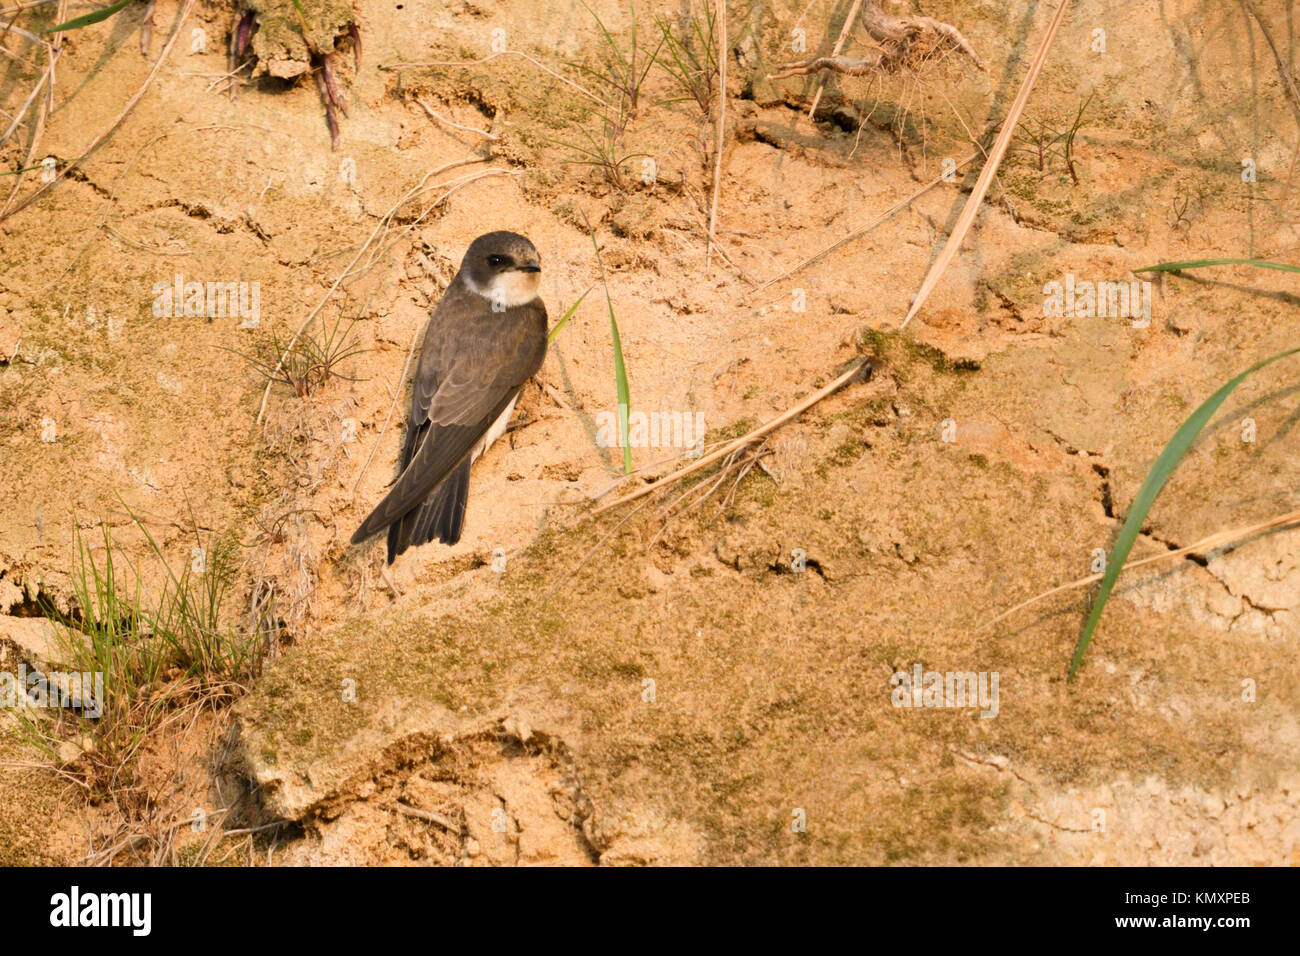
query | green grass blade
(1202,263)
(567,315)
(620,369)
(95,16)
(624,396)
(1146,496)
(610,42)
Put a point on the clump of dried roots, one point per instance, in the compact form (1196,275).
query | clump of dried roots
(903,43)
(324,69)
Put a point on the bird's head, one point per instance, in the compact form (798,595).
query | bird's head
(503,267)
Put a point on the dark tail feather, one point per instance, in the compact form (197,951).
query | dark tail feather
(442,515)
(448,506)
(399,534)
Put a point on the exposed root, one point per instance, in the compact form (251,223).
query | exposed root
(839,64)
(330,96)
(319,55)
(906,40)
(240,39)
(904,43)
(354,32)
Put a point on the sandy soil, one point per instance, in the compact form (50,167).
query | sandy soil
(711,685)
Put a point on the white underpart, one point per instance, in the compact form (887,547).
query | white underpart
(509,289)
(496,431)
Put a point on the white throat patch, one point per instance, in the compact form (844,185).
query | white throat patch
(509,289)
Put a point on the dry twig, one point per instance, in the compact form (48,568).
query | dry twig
(967,217)
(722,128)
(1207,544)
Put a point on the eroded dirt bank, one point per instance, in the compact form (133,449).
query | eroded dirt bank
(713,685)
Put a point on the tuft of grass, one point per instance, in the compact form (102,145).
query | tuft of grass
(1204,263)
(601,152)
(622,74)
(1045,141)
(1155,480)
(620,369)
(189,628)
(312,360)
(692,55)
(106,639)
(141,663)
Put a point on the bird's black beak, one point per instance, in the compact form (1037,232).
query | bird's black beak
(530,267)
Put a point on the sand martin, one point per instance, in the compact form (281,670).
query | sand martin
(485,339)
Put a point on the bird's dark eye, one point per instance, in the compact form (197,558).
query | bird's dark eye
(496,262)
